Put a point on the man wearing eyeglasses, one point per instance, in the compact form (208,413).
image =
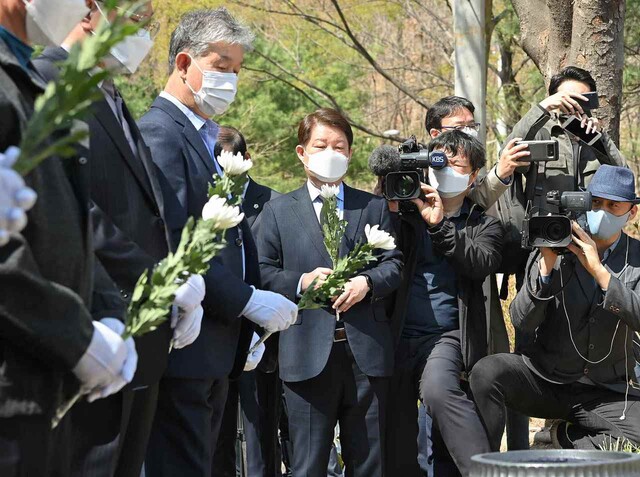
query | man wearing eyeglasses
(456,112)
(110,437)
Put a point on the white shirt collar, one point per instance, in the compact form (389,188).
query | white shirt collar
(196,120)
(314,192)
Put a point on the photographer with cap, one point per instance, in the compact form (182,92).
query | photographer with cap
(583,308)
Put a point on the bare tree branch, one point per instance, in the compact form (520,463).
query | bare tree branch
(367,56)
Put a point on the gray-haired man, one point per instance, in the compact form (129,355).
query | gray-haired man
(205,55)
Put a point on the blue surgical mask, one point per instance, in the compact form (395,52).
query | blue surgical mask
(604,225)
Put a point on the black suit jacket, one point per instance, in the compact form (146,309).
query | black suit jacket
(46,272)
(127,208)
(186,170)
(254,199)
(601,325)
(290,244)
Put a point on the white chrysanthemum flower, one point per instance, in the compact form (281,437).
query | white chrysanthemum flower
(379,238)
(223,215)
(234,165)
(329,191)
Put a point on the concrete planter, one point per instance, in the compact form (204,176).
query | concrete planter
(556,463)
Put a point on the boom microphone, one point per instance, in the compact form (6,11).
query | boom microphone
(384,159)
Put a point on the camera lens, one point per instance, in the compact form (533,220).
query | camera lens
(404,186)
(556,230)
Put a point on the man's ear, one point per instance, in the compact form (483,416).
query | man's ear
(433,132)
(474,176)
(247,156)
(300,152)
(183,61)
(634,212)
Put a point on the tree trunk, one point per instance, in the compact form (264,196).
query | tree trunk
(469,26)
(584,33)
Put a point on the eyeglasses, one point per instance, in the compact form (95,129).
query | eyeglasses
(474,126)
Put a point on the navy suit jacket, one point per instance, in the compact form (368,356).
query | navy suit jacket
(186,170)
(290,244)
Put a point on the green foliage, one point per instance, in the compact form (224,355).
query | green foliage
(346,268)
(332,227)
(153,295)
(621,444)
(228,186)
(69,98)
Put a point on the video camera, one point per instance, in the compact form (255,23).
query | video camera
(554,230)
(403,183)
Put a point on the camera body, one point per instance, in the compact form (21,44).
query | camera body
(554,230)
(404,184)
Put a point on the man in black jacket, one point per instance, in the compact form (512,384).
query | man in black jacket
(583,309)
(450,246)
(129,237)
(47,273)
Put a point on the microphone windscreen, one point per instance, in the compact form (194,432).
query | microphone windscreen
(384,159)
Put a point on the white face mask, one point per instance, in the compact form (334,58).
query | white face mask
(217,92)
(49,22)
(448,182)
(604,225)
(126,56)
(470,131)
(328,165)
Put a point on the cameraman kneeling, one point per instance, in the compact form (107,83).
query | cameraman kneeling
(584,309)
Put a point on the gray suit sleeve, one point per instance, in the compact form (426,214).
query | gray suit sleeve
(623,302)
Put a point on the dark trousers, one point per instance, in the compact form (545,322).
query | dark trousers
(402,408)
(452,410)
(137,421)
(340,393)
(185,427)
(504,380)
(259,395)
(30,448)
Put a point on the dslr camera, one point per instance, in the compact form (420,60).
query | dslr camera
(404,184)
(554,230)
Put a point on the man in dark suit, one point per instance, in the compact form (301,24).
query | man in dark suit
(582,309)
(206,53)
(333,370)
(130,237)
(258,387)
(47,335)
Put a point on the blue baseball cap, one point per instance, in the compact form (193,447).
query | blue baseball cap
(614,183)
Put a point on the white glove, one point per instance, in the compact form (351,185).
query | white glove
(271,311)
(103,363)
(128,367)
(253,359)
(15,197)
(188,328)
(188,297)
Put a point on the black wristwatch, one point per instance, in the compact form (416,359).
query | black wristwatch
(369,283)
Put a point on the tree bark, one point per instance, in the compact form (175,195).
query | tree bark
(584,33)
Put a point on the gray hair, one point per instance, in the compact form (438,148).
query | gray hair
(199,28)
